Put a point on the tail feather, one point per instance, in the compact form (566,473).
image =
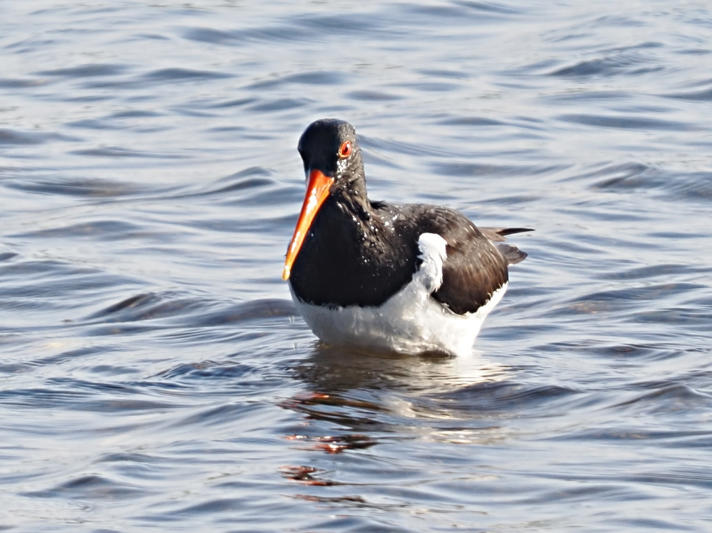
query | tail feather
(499,234)
(511,253)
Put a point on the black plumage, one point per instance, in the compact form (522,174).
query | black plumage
(359,252)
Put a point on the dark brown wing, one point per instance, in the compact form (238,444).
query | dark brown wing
(474,267)
(473,270)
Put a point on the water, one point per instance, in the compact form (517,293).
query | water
(154,374)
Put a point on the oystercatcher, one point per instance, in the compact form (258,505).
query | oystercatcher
(407,278)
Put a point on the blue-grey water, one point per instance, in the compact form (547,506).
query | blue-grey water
(153,373)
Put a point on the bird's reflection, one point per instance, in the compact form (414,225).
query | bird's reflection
(332,369)
(371,391)
(353,400)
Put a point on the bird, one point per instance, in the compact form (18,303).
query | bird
(403,278)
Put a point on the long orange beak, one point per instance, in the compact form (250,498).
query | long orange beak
(317,192)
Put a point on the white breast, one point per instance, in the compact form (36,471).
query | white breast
(410,321)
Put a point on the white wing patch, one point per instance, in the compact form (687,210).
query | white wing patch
(432,254)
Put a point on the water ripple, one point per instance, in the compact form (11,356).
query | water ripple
(86,71)
(9,136)
(628,122)
(90,487)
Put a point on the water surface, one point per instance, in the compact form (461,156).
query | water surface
(154,373)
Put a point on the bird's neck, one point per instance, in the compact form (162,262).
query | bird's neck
(353,206)
(351,196)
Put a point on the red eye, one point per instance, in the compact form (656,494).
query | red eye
(345,149)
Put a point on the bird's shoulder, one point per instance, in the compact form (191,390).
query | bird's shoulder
(415,219)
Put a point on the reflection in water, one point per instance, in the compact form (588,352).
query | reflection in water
(381,395)
(357,401)
(338,369)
